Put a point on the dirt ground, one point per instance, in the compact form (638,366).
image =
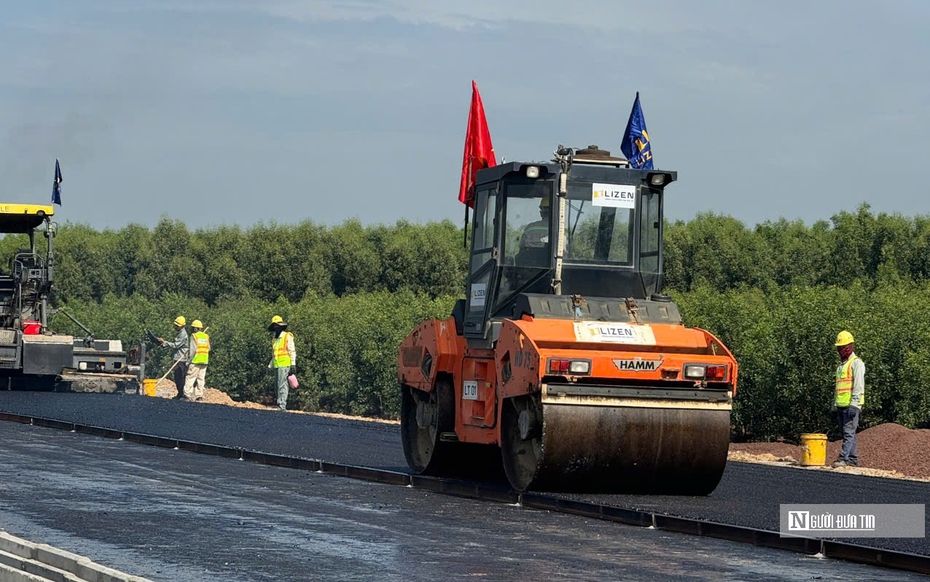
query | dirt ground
(886,450)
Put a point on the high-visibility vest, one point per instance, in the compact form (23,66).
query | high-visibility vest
(202,355)
(282,357)
(844,383)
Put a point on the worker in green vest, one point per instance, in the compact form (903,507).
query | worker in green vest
(195,383)
(283,357)
(849,397)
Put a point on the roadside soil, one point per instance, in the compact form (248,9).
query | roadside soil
(887,450)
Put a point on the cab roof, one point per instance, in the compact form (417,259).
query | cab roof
(582,170)
(23,218)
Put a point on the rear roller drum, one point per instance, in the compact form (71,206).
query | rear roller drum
(424,417)
(430,443)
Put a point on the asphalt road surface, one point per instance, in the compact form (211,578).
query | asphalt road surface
(748,495)
(176,515)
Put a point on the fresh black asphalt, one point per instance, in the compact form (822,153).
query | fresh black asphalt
(175,515)
(748,495)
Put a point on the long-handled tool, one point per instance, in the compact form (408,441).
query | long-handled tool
(175,364)
(168,372)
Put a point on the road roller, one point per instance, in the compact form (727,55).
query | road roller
(565,365)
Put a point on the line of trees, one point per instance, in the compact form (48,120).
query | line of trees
(776,294)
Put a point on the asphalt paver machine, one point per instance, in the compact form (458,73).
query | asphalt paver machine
(32,357)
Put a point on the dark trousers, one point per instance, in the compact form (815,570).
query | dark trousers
(180,375)
(848,417)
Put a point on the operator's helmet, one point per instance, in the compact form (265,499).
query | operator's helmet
(544,203)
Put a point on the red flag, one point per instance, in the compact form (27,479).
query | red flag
(479,153)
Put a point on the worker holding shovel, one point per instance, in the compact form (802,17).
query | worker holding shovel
(181,356)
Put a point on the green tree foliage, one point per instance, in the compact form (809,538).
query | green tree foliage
(783,342)
(775,294)
(716,251)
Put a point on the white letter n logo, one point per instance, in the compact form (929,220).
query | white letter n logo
(797,520)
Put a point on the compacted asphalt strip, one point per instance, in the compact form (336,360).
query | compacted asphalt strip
(175,515)
(748,495)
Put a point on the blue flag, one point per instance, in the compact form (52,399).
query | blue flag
(56,187)
(635,145)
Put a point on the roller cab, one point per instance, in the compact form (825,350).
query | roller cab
(564,365)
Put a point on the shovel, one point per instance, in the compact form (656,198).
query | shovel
(174,364)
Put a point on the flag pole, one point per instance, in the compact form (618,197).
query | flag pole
(465,230)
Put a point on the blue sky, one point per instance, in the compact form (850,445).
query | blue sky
(237,112)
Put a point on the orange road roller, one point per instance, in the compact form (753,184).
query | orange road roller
(565,365)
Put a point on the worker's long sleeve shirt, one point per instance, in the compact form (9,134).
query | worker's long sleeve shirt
(858,390)
(180,345)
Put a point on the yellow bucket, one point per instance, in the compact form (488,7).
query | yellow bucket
(813,449)
(148,387)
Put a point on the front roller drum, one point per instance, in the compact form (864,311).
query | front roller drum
(560,447)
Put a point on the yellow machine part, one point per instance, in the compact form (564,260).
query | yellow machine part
(22,218)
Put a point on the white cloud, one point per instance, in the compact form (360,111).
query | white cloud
(207,96)
(595,15)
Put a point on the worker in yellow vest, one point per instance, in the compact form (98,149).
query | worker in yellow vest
(195,383)
(849,397)
(283,357)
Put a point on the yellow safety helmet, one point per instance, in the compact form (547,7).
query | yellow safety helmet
(179,320)
(844,338)
(276,320)
(196,324)
(544,203)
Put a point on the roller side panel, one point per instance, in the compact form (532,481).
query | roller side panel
(519,365)
(430,349)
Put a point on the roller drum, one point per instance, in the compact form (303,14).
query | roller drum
(632,449)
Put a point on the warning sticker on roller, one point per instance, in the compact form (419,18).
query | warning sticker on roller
(619,333)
